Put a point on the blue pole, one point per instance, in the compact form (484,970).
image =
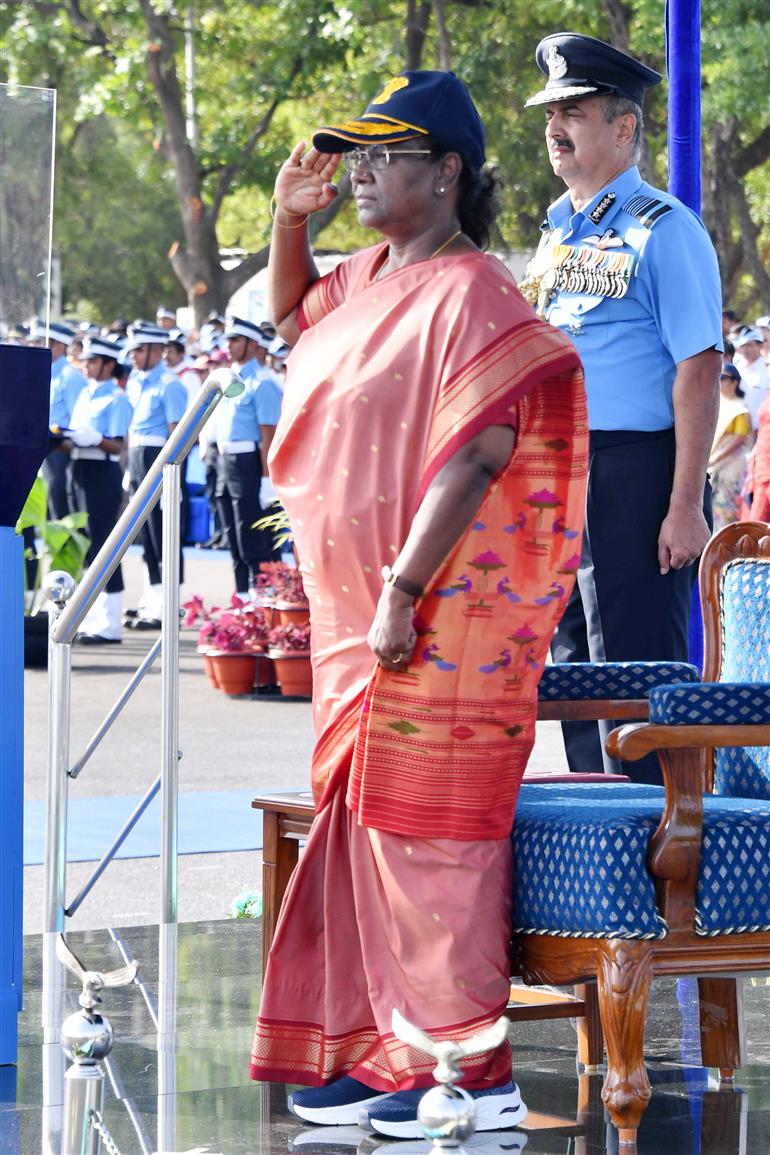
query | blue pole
(683,65)
(11,784)
(684,181)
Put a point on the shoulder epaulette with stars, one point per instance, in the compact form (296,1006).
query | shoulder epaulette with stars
(647,210)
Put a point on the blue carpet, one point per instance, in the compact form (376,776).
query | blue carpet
(210,821)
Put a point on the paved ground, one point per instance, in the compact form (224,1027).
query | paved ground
(227,744)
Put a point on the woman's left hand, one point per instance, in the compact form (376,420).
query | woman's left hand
(392,636)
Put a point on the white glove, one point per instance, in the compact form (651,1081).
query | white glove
(267,494)
(85,438)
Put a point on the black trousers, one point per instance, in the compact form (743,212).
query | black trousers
(140,459)
(97,490)
(56,472)
(622,608)
(211,461)
(238,484)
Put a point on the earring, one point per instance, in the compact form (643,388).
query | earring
(440,191)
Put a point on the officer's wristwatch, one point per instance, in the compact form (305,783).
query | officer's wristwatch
(401,583)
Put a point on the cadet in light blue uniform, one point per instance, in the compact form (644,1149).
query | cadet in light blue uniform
(99,426)
(66,385)
(631,275)
(159,399)
(245,426)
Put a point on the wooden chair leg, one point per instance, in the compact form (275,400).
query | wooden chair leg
(623,974)
(722,1036)
(589,1028)
(279,858)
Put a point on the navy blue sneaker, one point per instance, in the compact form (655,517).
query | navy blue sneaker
(335,1105)
(496,1109)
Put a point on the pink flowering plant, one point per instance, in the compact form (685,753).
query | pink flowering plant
(278,582)
(291,639)
(241,627)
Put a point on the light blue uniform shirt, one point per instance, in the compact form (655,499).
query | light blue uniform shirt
(239,418)
(66,384)
(158,398)
(630,346)
(103,406)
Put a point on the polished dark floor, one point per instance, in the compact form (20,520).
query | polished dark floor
(192,1093)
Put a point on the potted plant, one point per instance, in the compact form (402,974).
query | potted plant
(280,588)
(50,544)
(232,642)
(290,653)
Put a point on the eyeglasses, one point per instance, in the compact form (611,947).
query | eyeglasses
(377,156)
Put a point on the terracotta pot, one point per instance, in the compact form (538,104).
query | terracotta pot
(208,666)
(293,672)
(235,672)
(265,671)
(271,617)
(291,613)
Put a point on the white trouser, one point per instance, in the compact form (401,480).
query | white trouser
(104,617)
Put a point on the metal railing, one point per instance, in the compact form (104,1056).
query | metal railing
(70,607)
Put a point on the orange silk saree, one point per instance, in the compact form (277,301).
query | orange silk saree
(402,895)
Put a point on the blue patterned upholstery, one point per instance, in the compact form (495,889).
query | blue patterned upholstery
(580,862)
(745,595)
(711,704)
(746,621)
(733,893)
(579,855)
(573,681)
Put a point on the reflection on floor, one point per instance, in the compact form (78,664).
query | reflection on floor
(192,1091)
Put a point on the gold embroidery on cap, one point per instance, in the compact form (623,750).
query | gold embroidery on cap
(392,86)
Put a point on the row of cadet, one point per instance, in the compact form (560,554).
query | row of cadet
(115,403)
(739,464)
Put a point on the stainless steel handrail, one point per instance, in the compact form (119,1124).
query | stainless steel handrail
(69,610)
(94,742)
(222,382)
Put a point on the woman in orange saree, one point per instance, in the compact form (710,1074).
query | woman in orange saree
(434,433)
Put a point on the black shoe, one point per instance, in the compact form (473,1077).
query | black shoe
(129,615)
(145,624)
(96,640)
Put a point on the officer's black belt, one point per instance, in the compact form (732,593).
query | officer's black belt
(611,438)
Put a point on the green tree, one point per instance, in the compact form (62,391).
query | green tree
(268,71)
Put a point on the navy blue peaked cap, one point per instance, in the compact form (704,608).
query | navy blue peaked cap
(578,66)
(414,104)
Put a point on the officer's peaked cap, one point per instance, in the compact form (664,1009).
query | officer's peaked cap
(578,66)
(239,327)
(53,331)
(101,347)
(146,335)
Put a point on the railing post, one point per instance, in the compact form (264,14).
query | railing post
(58,587)
(169,768)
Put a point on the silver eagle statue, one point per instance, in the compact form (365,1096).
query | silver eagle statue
(93,981)
(447,1113)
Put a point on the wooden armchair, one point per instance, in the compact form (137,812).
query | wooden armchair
(567,692)
(621,884)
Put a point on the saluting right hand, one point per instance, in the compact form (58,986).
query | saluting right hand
(303,184)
